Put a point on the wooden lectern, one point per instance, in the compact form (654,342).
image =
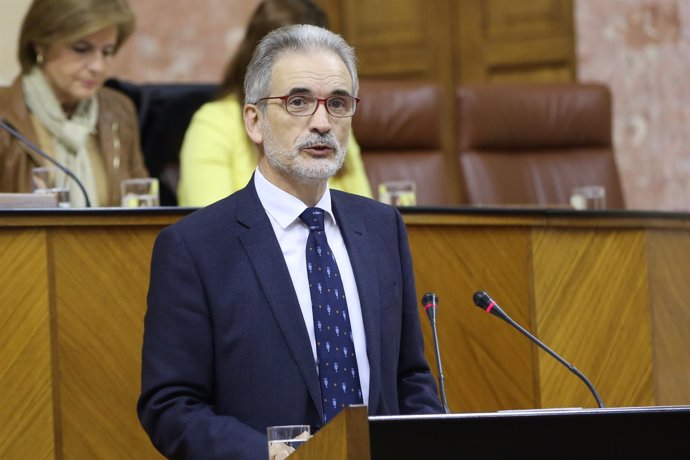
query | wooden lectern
(631,432)
(346,437)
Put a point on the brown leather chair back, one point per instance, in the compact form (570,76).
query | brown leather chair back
(398,127)
(164,111)
(532,144)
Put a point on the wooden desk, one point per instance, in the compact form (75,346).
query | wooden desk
(73,287)
(606,290)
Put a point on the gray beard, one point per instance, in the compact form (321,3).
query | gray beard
(289,160)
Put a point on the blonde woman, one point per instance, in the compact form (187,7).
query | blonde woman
(58,102)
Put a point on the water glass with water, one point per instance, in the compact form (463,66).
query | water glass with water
(284,440)
(49,180)
(140,193)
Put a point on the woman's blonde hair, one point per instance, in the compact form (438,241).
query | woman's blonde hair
(64,21)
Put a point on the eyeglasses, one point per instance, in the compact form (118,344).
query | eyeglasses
(304,105)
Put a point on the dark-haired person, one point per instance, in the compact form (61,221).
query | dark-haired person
(217,158)
(59,103)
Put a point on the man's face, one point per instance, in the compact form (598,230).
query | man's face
(310,148)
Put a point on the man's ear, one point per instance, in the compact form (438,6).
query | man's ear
(252,122)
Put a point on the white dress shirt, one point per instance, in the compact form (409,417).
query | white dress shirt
(283,211)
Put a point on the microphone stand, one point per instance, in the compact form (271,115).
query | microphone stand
(437,352)
(486,303)
(430,302)
(38,151)
(570,367)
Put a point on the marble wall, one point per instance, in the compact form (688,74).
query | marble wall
(641,49)
(182,40)
(11,14)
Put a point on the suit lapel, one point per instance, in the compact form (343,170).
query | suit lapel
(363,260)
(266,257)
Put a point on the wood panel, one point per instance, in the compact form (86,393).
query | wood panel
(510,20)
(346,437)
(504,40)
(102,278)
(669,264)
(394,38)
(459,41)
(490,366)
(586,295)
(26,396)
(590,302)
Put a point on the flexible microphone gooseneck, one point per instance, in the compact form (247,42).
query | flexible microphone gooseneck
(430,302)
(486,303)
(7,127)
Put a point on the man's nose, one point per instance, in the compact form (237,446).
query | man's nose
(320,121)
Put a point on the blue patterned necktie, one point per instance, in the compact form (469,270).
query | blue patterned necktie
(335,349)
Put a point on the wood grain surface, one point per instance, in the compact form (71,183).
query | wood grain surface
(669,274)
(590,303)
(101,279)
(27,428)
(607,291)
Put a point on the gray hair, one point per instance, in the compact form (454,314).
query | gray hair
(299,38)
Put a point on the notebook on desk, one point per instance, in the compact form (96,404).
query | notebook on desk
(28,200)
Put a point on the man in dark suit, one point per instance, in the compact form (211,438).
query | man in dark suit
(234,333)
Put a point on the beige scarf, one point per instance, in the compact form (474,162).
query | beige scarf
(70,135)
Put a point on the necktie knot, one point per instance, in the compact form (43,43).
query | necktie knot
(313,218)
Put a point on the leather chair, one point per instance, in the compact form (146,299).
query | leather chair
(532,144)
(398,127)
(164,112)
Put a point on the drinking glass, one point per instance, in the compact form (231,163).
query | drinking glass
(398,193)
(48,179)
(588,197)
(284,440)
(140,193)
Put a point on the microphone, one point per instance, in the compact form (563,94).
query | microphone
(430,302)
(486,303)
(7,127)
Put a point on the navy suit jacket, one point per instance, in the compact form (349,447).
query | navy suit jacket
(226,351)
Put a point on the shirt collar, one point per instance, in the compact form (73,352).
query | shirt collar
(282,206)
